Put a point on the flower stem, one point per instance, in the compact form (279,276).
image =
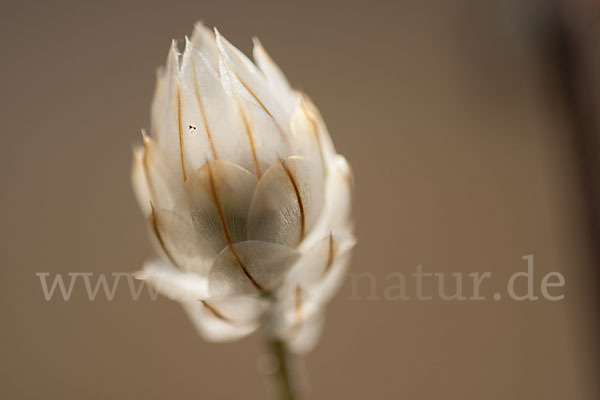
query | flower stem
(283,374)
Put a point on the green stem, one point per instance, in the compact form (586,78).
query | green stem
(283,373)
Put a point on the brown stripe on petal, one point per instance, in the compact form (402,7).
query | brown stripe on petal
(260,103)
(250,138)
(158,234)
(215,197)
(214,311)
(245,85)
(298,198)
(203,112)
(254,282)
(315,129)
(298,306)
(151,188)
(331,255)
(180,131)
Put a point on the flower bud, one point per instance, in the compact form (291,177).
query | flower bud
(247,200)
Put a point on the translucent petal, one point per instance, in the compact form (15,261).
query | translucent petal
(181,243)
(287,202)
(225,319)
(173,283)
(251,267)
(220,195)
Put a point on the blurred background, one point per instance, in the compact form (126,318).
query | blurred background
(472,128)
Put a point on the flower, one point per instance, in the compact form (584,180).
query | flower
(247,200)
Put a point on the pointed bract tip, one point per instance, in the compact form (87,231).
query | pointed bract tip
(221,41)
(189,46)
(258,47)
(145,137)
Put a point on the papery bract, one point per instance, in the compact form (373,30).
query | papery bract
(247,200)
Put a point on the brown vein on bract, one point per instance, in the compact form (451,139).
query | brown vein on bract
(180,130)
(146,166)
(214,311)
(298,198)
(298,306)
(203,112)
(331,254)
(154,225)
(255,96)
(315,128)
(250,139)
(215,197)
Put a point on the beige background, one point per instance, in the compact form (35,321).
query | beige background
(463,163)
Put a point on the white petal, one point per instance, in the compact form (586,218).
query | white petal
(204,41)
(140,183)
(320,260)
(298,321)
(213,126)
(175,284)
(266,141)
(251,267)
(197,77)
(309,285)
(217,319)
(287,202)
(305,140)
(323,290)
(165,123)
(340,189)
(316,118)
(275,78)
(182,245)
(247,81)
(225,319)
(305,337)
(164,184)
(238,309)
(220,194)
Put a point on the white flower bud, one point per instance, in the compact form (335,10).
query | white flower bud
(248,202)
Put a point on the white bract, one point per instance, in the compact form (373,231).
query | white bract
(247,200)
